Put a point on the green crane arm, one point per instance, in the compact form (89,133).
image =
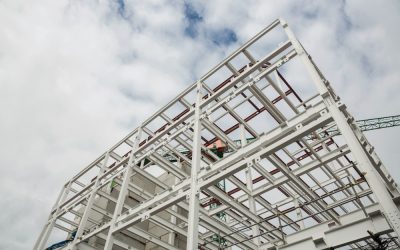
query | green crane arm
(378,123)
(373,123)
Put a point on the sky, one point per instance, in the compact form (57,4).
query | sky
(78,75)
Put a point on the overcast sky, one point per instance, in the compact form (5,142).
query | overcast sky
(78,75)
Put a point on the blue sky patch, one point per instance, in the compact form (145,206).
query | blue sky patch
(193,18)
(223,37)
(121,7)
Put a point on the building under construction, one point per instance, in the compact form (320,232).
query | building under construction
(259,153)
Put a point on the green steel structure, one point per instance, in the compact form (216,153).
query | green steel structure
(378,123)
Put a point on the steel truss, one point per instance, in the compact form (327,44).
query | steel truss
(283,190)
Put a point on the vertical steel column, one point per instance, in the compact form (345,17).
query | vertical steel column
(89,205)
(298,212)
(50,224)
(122,193)
(173,220)
(377,185)
(249,184)
(193,217)
(41,235)
(39,239)
(171,236)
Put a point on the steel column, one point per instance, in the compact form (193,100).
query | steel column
(194,203)
(52,221)
(49,218)
(89,204)
(337,110)
(122,193)
(249,184)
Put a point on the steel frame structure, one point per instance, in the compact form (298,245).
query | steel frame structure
(289,188)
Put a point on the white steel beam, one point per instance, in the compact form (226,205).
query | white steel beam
(54,209)
(89,205)
(274,140)
(122,194)
(133,230)
(267,144)
(298,172)
(301,185)
(353,228)
(337,109)
(194,202)
(249,184)
(52,222)
(218,193)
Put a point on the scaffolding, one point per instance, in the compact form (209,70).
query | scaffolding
(293,185)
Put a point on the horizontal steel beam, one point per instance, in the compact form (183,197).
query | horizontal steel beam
(353,228)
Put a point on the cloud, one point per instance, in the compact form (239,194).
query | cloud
(75,76)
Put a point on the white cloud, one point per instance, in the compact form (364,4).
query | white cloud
(73,74)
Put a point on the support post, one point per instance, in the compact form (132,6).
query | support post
(337,110)
(193,217)
(47,223)
(122,193)
(249,184)
(173,220)
(298,212)
(50,224)
(89,205)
